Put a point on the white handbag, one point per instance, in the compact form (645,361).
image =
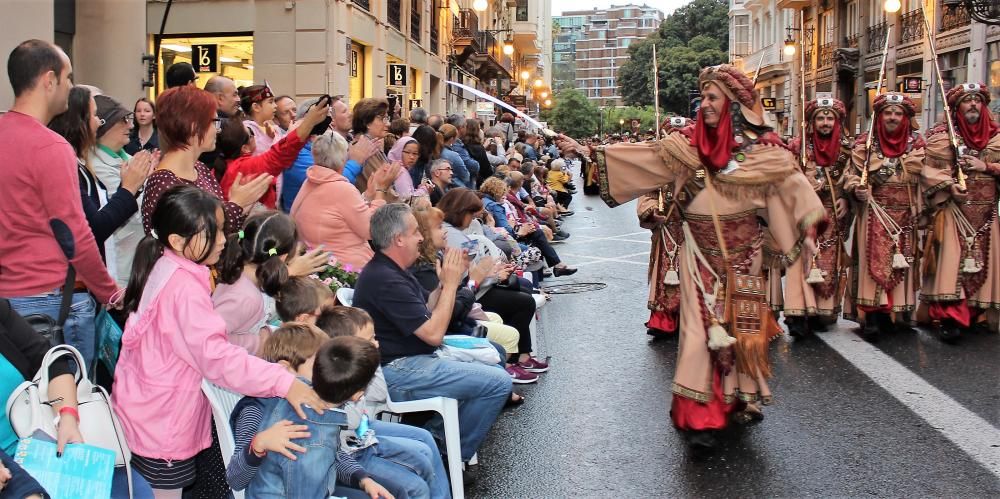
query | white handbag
(29,410)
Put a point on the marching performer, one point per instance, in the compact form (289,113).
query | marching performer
(961,278)
(660,212)
(885,178)
(725,330)
(814,289)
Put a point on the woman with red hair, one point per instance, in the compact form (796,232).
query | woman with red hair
(188,126)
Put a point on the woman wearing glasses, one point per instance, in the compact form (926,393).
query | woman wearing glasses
(370,123)
(98,128)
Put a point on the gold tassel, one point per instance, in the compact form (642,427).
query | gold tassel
(899,261)
(671,278)
(969,266)
(718,338)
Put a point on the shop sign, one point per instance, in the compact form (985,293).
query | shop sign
(484,107)
(397,75)
(518,101)
(769,103)
(415,103)
(354,62)
(206,58)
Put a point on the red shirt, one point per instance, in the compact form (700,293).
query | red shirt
(278,158)
(40,183)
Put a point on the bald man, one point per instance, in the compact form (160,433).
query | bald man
(225,92)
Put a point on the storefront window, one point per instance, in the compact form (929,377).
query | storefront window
(229,56)
(954,71)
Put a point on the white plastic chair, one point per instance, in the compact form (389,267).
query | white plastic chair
(345,296)
(448,409)
(223,401)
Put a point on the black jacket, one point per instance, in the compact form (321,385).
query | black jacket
(134,146)
(104,221)
(478,153)
(23,347)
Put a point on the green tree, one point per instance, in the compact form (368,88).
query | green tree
(694,36)
(572,114)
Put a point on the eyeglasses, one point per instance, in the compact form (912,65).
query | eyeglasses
(384,118)
(125,119)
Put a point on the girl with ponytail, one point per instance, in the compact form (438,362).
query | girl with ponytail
(174,338)
(252,270)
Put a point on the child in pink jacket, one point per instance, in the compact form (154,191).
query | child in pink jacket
(173,339)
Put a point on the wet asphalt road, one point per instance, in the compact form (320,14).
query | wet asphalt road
(596,424)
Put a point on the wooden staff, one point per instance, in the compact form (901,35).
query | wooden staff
(952,136)
(871,122)
(802,91)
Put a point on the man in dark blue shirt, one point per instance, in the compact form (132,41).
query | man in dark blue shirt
(410,325)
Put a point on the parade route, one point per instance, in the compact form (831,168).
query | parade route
(908,417)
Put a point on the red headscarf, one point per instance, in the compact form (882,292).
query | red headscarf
(977,136)
(715,145)
(893,145)
(827,150)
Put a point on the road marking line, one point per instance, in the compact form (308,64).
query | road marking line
(971,433)
(589,239)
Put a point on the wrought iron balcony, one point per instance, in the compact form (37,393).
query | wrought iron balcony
(825,55)
(852,40)
(415,21)
(435,40)
(911,27)
(808,55)
(954,17)
(876,37)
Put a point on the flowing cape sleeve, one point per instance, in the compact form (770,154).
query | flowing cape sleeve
(792,209)
(627,171)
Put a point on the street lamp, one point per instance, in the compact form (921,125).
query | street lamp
(525,75)
(545,95)
(538,83)
(548,102)
(479,5)
(789,46)
(508,48)
(892,6)
(621,124)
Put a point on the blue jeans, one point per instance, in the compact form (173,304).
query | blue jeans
(481,392)
(79,330)
(401,465)
(438,482)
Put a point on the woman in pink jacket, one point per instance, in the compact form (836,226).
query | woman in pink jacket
(330,211)
(173,339)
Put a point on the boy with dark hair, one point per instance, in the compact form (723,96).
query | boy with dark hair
(339,373)
(349,321)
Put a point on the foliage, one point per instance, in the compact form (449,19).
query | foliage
(693,37)
(572,114)
(336,276)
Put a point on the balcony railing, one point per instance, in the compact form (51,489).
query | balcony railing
(852,40)
(392,8)
(912,27)
(808,55)
(876,37)
(954,18)
(415,15)
(435,40)
(364,4)
(825,55)
(467,24)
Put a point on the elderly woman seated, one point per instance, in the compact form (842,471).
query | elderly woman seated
(329,210)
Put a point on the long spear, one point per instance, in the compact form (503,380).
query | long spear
(756,74)
(871,122)
(656,92)
(802,90)
(960,174)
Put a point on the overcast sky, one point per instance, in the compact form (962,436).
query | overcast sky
(667,6)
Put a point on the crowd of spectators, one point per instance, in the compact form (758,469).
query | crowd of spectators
(205,222)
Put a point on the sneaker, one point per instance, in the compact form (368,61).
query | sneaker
(533,365)
(558,237)
(520,376)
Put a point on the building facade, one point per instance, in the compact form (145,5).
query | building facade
(568,30)
(839,53)
(604,47)
(404,50)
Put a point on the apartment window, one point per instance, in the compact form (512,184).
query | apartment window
(853,16)
(521,11)
(877,12)
(741,36)
(415,12)
(827,26)
(625,42)
(392,8)
(611,82)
